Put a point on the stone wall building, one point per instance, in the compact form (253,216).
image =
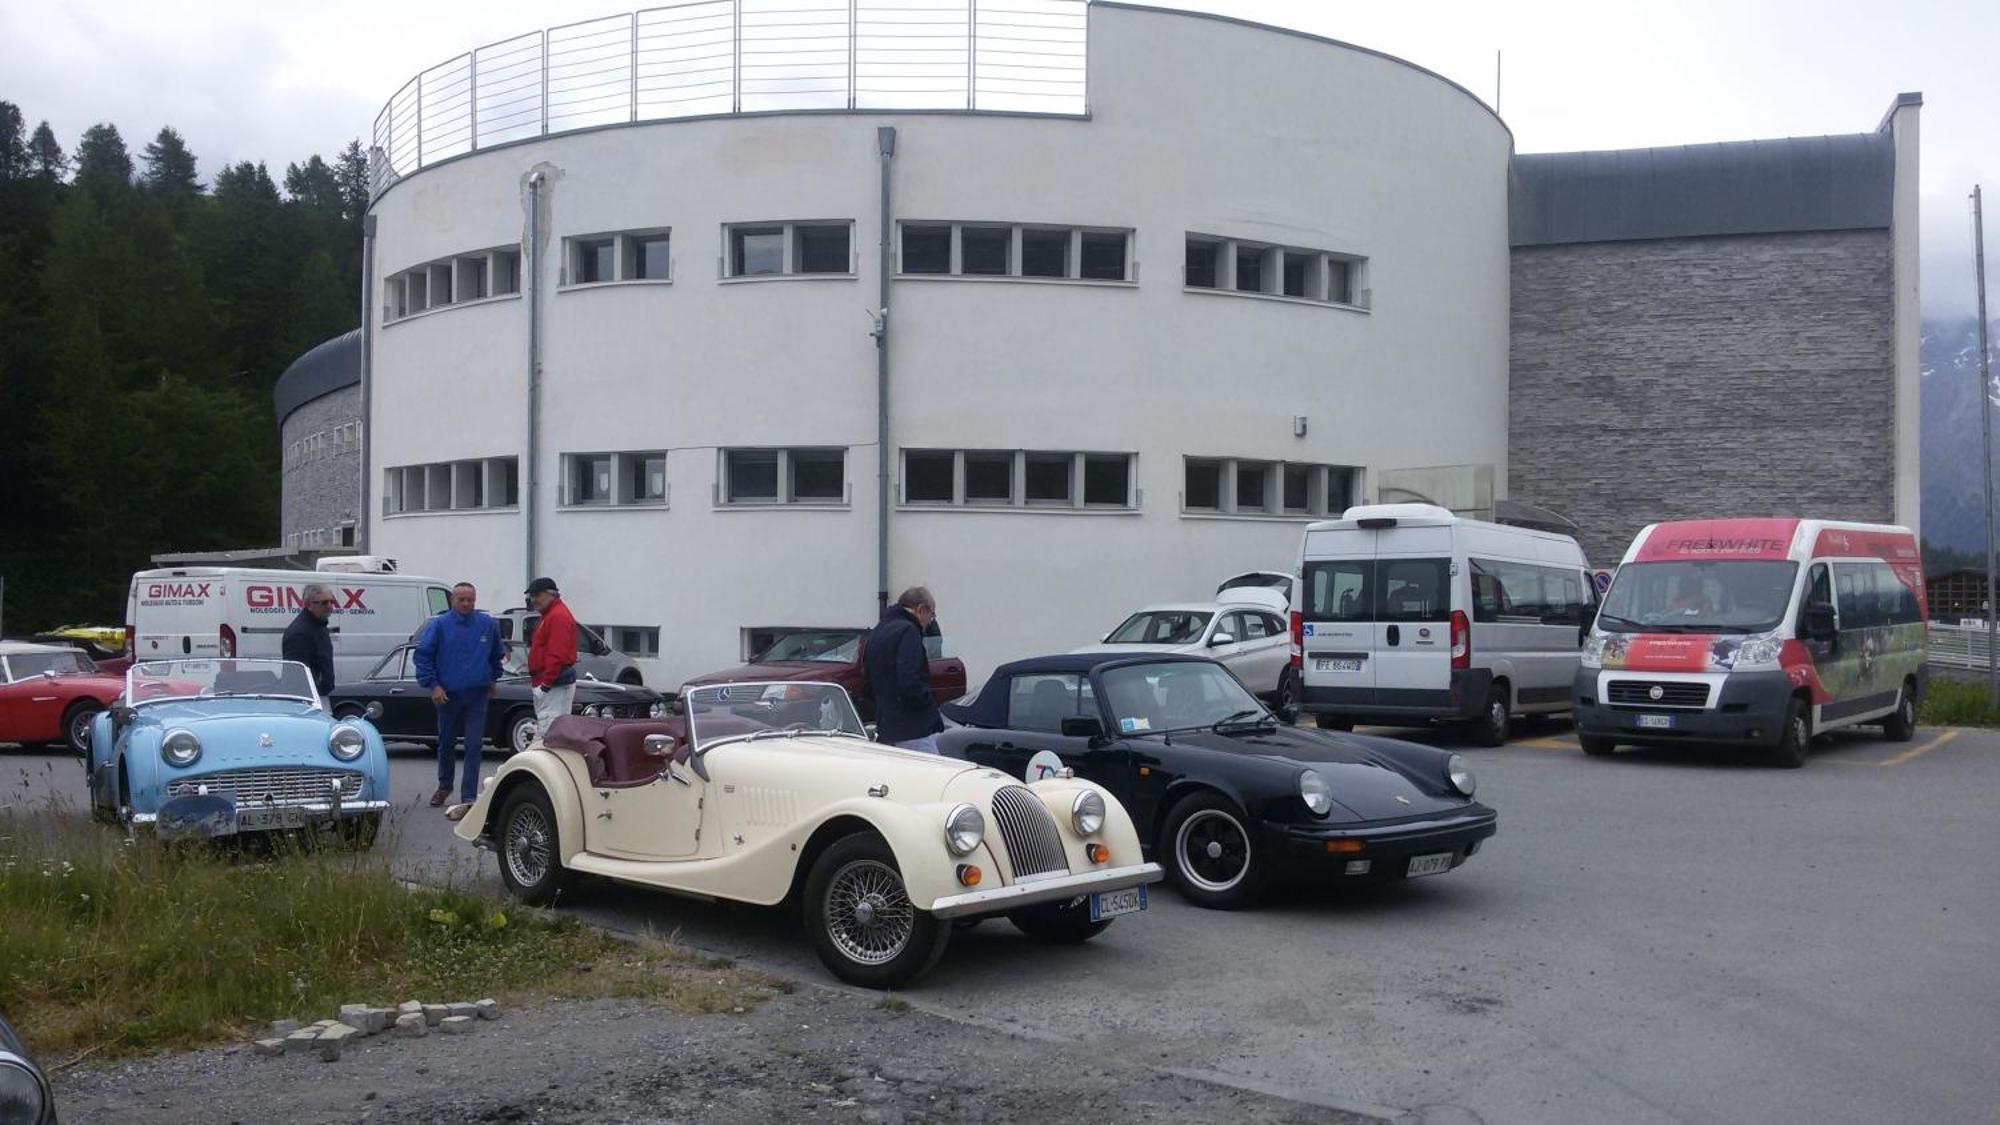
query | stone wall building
(318,401)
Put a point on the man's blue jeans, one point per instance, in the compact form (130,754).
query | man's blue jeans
(463,713)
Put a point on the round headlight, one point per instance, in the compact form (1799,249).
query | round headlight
(346,743)
(1086,814)
(964,829)
(180,748)
(1461,775)
(21,1096)
(1315,792)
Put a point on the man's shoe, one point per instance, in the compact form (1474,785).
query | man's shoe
(440,797)
(458,811)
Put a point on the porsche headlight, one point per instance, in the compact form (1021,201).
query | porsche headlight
(1315,792)
(1460,775)
(21,1094)
(1593,651)
(1086,813)
(964,830)
(346,743)
(180,748)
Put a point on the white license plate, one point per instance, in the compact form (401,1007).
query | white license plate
(1428,865)
(263,820)
(1110,904)
(1337,663)
(1656,722)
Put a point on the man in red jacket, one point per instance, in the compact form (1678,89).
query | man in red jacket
(551,654)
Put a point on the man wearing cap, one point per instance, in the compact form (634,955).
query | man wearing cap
(551,654)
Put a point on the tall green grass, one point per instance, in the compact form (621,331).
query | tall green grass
(123,944)
(1957,703)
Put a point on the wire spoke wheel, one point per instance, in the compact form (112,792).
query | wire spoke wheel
(1214,850)
(868,914)
(527,849)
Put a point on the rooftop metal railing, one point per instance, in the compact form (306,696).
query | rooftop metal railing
(696,58)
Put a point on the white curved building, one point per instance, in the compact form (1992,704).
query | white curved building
(1243,278)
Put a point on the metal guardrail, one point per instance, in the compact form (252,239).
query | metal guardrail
(698,58)
(1960,646)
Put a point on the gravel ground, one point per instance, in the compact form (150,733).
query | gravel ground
(814,1055)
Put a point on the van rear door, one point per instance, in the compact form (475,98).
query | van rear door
(176,615)
(1337,620)
(1413,623)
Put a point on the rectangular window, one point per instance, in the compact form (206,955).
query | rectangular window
(1044,252)
(985,250)
(1102,255)
(472,280)
(1249,269)
(1107,481)
(593,260)
(642,641)
(650,256)
(817,475)
(468,485)
(417,284)
(1414,590)
(821,249)
(1041,701)
(927,248)
(752,476)
(1340,281)
(590,478)
(1338,590)
(927,476)
(506,272)
(507,490)
(1341,485)
(1203,263)
(1298,273)
(1047,478)
(1253,486)
(989,478)
(1298,488)
(440,283)
(1204,485)
(446,486)
(645,476)
(756,251)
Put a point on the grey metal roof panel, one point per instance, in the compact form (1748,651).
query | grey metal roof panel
(1742,187)
(329,366)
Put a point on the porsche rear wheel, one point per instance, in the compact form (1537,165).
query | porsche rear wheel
(530,854)
(76,725)
(861,920)
(1059,923)
(1210,855)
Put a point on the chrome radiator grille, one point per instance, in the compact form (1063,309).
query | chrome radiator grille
(1034,845)
(1639,693)
(296,785)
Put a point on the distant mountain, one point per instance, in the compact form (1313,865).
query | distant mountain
(1954,503)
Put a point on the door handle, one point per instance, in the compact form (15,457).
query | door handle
(1395,635)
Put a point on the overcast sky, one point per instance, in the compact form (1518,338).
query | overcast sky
(256,80)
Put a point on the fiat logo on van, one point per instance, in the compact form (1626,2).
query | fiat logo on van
(1657,693)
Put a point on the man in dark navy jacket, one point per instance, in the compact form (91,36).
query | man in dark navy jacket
(899,674)
(458,657)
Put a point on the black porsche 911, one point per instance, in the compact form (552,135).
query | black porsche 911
(409,716)
(1228,799)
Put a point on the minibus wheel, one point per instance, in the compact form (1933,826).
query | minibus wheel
(1901,724)
(1796,740)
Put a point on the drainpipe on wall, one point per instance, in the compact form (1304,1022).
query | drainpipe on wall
(885,142)
(364,515)
(531,476)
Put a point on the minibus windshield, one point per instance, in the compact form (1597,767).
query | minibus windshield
(1738,596)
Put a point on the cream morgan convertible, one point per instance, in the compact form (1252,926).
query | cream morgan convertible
(770,793)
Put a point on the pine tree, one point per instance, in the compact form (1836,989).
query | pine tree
(170,170)
(13,143)
(352,170)
(102,163)
(46,155)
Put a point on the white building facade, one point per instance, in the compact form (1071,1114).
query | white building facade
(1250,277)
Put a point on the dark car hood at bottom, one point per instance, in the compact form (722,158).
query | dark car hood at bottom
(1373,779)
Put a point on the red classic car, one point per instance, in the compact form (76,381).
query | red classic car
(834,656)
(49,693)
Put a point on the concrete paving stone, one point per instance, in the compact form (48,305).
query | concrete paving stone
(463,1008)
(434,1014)
(409,1006)
(456,1025)
(269,1047)
(300,1040)
(411,1025)
(489,1009)
(282,1028)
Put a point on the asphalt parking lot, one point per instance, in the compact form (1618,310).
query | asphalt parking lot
(1657,937)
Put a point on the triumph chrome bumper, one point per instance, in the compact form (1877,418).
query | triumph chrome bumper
(1045,890)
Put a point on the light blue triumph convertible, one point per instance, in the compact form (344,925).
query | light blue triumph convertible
(227,747)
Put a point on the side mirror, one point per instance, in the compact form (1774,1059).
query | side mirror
(372,712)
(1082,726)
(660,746)
(1821,622)
(1221,639)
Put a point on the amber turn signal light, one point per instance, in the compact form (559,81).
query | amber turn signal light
(1098,853)
(968,875)
(1343,847)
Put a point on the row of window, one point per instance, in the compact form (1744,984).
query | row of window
(452,281)
(1516,593)
(333,442)
(825,247)
(968,478)
(342,536)
(1866,595)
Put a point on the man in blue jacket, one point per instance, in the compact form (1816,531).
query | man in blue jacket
(899,674)
(459,657)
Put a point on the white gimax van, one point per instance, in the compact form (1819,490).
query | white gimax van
(1756,632)
(216,611)
(1408,613)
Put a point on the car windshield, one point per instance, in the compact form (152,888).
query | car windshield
(1736,596)
(1149,698)
(156,681)
(1161,627)
(27,665)
(830,646)
(730,712)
